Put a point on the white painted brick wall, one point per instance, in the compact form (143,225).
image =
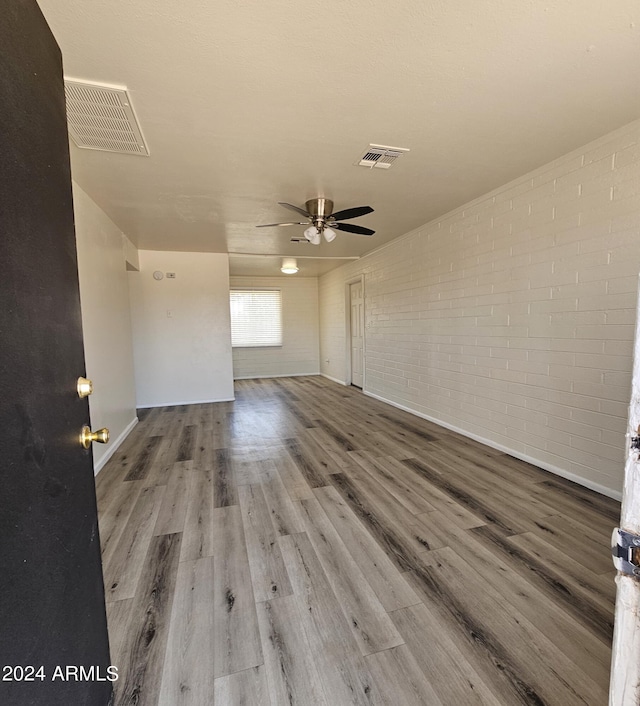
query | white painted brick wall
(512,317)
(300,349)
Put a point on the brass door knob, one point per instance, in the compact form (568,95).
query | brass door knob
(87,436)
(85,387)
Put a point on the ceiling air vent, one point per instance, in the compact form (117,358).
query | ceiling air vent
(102,118)
(381,156)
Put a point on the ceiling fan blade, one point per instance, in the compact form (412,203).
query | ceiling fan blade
(352,213)
(294,208)
(269,225)
(351,228)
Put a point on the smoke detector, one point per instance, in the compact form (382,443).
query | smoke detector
(101,117)
(380,156)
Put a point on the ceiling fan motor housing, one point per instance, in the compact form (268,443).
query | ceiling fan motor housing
(319,209)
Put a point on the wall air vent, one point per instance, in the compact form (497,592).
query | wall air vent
(101,118)
(380,156)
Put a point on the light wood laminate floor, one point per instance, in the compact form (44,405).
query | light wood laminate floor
(307,544)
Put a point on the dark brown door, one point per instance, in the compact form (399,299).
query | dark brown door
(52,613)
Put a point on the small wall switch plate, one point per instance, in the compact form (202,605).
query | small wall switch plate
(171,275)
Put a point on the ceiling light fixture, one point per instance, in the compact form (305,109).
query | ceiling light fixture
(312,234)
(329,234)
(289,266)
(323,219)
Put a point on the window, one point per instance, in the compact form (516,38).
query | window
(256,318)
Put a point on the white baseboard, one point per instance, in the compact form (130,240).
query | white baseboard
(113,446)
(603,490)
(179,404)
(340,382)
(283,375)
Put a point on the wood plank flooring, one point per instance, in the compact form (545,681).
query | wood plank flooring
(307,545)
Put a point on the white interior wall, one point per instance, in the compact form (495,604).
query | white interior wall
(512,318)
(299,353)
(181,329)
(132,259)
(106,323)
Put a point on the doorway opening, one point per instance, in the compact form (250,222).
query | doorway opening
(355,332)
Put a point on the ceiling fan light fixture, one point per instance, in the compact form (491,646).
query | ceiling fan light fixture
(289,266)
(329,234)
(312,234)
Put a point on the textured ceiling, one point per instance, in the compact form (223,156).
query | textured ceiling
(246,103)
(269,265)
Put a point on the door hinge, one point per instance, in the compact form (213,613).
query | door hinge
(625,548)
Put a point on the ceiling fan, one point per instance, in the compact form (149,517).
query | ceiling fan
(322,221)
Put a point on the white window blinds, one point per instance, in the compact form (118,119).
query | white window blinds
(256,318)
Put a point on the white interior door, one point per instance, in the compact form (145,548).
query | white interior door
(356,299)
(625,667)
